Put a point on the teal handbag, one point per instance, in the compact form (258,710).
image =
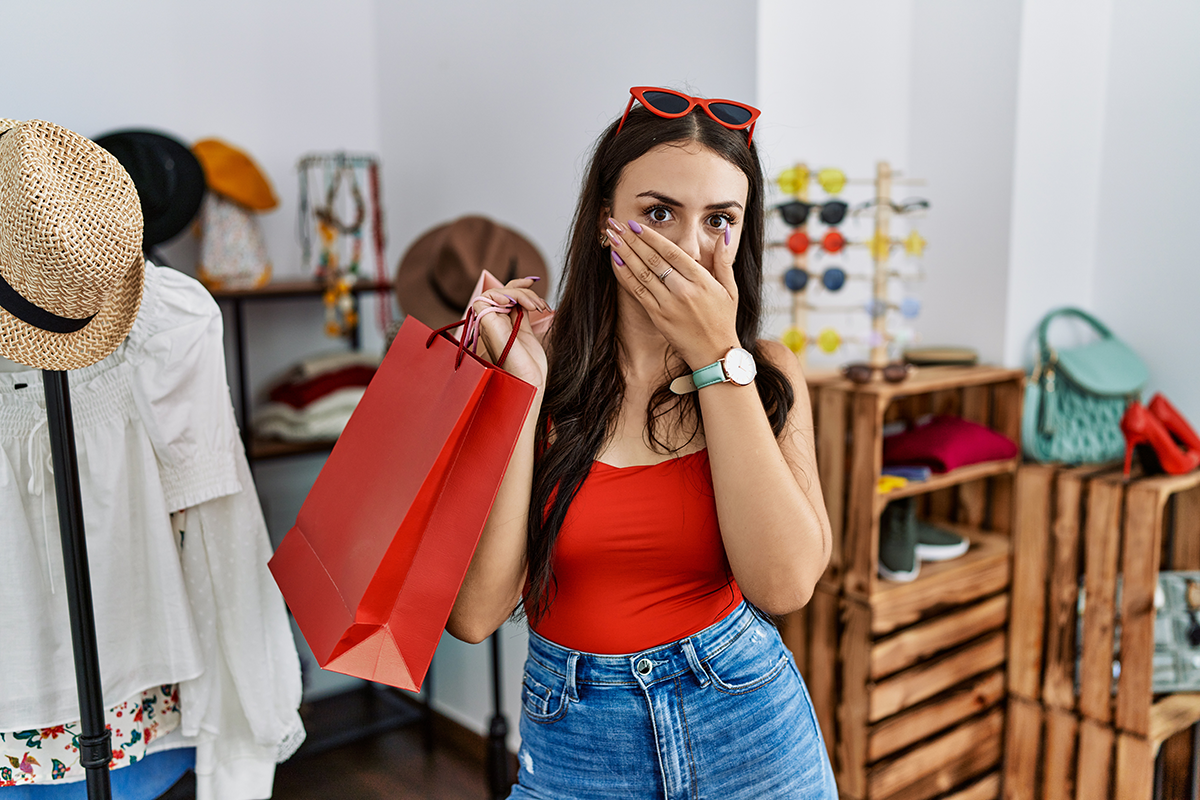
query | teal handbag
(1075,398)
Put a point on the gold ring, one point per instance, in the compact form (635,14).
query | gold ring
(666,272)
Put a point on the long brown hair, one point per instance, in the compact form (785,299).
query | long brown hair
(585,387)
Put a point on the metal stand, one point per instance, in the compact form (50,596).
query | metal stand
(95,745)
(499,772)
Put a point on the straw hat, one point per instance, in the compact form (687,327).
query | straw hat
(438,273)
(71,267)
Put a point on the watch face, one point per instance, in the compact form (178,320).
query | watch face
(739,366)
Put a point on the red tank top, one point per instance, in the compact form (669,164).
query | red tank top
(639,561)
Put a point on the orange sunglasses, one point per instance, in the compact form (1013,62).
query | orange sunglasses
(671,104)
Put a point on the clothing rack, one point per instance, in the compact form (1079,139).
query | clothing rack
(95,745)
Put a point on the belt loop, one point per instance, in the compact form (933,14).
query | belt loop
(693,660)
(572,661)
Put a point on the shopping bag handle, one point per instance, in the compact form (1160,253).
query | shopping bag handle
(462,341)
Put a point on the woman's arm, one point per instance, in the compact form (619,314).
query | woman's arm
(769,503)
(495,579)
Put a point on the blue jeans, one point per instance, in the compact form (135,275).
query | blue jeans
(721,715)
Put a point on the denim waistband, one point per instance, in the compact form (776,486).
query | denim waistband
(644,667)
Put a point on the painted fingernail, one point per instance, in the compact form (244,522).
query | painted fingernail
(633,226)
(513,300)
(533,277)
(617,259)
(615,240)
(616,226)
(726,234)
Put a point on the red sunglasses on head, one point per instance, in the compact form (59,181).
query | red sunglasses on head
(671,104)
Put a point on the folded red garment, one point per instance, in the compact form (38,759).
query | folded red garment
(946,443)
(301,393)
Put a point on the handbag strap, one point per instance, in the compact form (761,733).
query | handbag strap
(1044,349)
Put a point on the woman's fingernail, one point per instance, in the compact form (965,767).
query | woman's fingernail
(617,259)
(615,240)
(726,234)
(533,277)
(616,226)
(633,226)
(511,299)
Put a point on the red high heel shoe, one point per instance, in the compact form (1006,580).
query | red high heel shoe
(1140,426)
(1174,422)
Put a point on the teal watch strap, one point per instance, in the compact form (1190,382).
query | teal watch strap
(707,376)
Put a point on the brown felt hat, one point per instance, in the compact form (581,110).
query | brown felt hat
(438,273)
(71,266)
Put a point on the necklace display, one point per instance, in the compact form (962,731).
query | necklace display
(339,223)
(340,314)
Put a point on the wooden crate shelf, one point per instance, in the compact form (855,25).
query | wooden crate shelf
(983,571)
(1074,731)
(972,472)
(908,679)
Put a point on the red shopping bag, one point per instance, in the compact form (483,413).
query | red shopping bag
(379,550)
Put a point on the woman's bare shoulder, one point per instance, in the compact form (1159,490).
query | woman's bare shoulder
(779,356)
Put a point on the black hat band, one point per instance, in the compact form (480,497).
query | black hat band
(12,302)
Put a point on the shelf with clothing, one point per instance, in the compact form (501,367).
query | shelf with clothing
(258,448)
(383,708)
(908,677)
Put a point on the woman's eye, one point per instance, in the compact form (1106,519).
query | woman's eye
(659,214)
(719,221)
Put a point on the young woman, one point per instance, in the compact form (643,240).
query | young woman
(645,526)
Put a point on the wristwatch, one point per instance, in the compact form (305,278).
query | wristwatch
(737,367)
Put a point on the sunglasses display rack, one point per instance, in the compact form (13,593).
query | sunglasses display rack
(809,244)
(334,214)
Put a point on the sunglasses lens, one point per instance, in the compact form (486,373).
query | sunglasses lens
(794,213)
(833,212)
(859,373)
(795,279)
(834,278)
(894,373)
(666,103)
(730,114)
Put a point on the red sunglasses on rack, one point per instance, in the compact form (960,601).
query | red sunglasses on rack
(671,104)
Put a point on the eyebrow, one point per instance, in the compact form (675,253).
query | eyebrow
(662,198)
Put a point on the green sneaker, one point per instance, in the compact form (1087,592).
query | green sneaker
(938,544)
(933,543)
(898,543)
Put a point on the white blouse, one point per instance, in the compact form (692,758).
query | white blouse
(155,433)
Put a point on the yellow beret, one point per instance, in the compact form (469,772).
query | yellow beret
(232,174)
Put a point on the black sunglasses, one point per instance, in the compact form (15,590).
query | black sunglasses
(795,212)
(903,207)
(862,372)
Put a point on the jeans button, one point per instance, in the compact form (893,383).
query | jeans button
(644,666)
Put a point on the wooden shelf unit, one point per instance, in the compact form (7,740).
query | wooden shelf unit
(1074,731)
(908,679)
(257,447)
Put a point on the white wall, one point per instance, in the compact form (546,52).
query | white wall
(961,136)
(1062,92)
(491,108)
(1146,283)
(835,91)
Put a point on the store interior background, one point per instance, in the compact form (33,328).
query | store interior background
(1058,139)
